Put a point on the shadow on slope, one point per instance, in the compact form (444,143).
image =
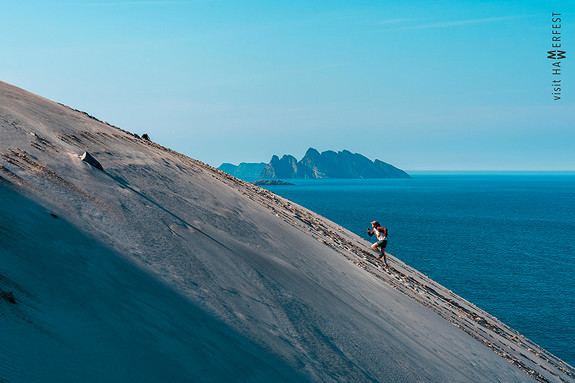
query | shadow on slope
(83,312)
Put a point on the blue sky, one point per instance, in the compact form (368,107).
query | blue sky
(423,85)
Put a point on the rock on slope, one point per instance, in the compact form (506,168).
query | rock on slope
(161,268)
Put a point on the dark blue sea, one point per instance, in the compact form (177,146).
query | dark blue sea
(502,241)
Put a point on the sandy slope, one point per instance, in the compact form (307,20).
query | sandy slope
(160,268)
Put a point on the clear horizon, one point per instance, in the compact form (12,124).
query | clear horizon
(419,85)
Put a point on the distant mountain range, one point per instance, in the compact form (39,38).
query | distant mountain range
(328,164)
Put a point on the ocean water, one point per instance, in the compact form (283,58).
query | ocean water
(502,241)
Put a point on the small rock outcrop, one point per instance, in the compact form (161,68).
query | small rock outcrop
(87,157)
(270,182)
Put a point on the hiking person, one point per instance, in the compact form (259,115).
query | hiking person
(381,235)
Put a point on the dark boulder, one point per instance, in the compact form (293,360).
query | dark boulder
(8,296)
(87,157)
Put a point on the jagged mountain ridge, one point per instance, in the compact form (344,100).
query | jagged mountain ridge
(330,164)
(161,268)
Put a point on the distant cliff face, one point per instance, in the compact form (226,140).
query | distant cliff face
(330,164)
(286,167)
